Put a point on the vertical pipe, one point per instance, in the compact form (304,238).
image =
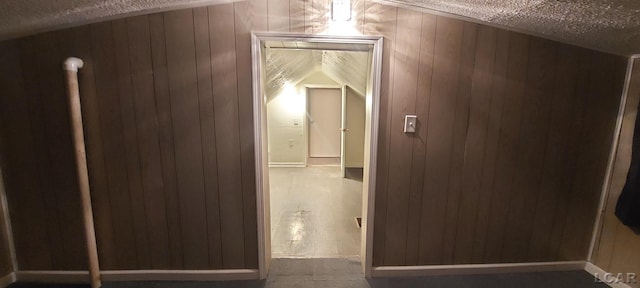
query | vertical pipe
(70,67)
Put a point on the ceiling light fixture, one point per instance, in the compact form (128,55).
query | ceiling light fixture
(341,10)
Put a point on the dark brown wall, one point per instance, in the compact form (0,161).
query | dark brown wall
(171,171)
(506,166)
(513,137)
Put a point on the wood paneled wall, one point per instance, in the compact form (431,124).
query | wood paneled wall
(171,171)
(514,132)
(618,246)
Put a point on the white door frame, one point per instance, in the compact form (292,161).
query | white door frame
(260,138)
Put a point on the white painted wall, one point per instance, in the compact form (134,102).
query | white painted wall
(354,138)
(286,114)
(286,117)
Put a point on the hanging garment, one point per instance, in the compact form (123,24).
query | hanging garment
(628,206)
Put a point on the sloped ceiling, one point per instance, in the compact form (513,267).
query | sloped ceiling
(607,25)
(290,66)
(23,17)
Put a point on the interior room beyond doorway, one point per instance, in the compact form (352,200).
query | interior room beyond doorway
(316,126)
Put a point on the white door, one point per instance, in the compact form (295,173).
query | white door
(325,116)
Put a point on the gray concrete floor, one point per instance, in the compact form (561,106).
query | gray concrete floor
(345,272)
(313,213)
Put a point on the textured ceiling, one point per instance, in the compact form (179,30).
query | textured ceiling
(607,25)
(23,17)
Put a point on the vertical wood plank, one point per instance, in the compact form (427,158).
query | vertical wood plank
(148,140)
(62,197)
(181,63)
(102,45)
(531,151)
(358,15)
(389,15)
(444,91)
(225,101)
(372,18)
(130,137)
(165,134)
(207,129)
(60,148)
(308,16)
(555,177)
(320,16)
(37,200)
(296,16)
(425,72)
(583,60)
(19,163)
(602,100)
(494,126)
(460,134)
(399,166)
(475,146)
(278,15)
(508,143)
(43,131)
(245,110)
(260,18)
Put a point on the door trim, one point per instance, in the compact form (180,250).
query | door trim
(371,138)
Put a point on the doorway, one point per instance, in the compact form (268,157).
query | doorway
(327,135)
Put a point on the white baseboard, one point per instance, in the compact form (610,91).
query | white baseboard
(287,165)
(600,274)
(7,280)
(179,275)
(435,270)
(67,277)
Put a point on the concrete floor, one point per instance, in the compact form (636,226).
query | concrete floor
(313,213)
(345,273)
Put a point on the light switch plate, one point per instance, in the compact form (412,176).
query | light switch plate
(410,122)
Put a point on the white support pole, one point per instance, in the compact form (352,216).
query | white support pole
(71,66)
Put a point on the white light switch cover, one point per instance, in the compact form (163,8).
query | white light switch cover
(410,122)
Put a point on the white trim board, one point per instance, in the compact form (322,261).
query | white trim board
(600,274)
(8,280)
(67,277)
(287,164)
(179,275)
(82,277)
(468,269)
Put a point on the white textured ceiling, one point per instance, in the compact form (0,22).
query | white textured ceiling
(607,25)
(23,17)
